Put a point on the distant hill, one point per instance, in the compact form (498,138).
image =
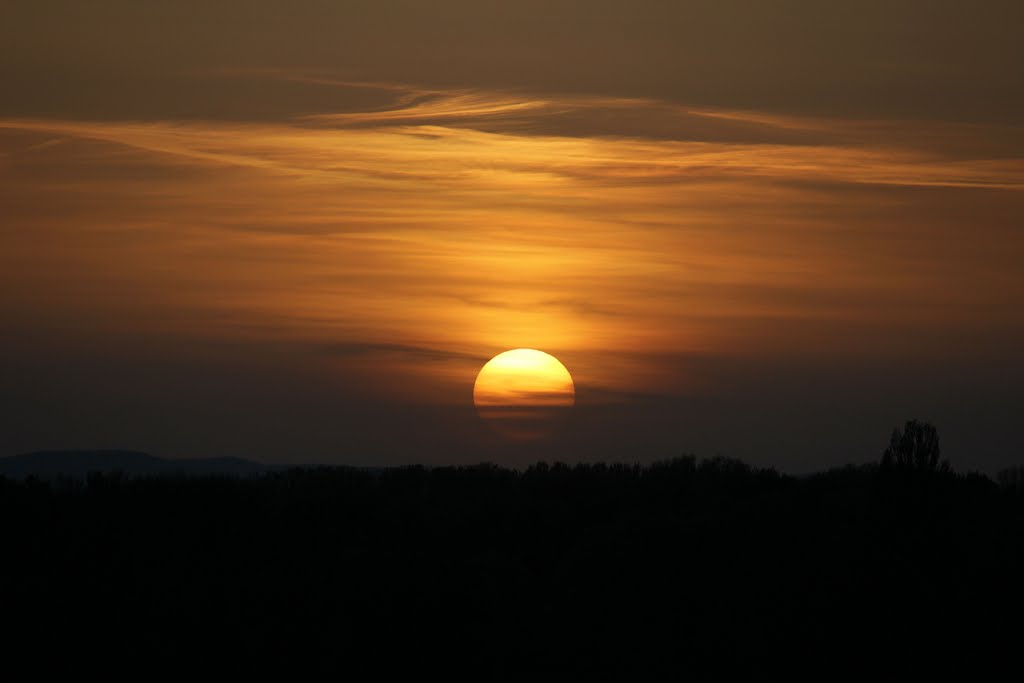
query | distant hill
(49,464)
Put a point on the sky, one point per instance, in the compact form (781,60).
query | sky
(295,232)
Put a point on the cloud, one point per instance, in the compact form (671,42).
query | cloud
(417,352)
(482,140)
(440,227)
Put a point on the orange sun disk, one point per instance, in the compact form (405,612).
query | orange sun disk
(523,393)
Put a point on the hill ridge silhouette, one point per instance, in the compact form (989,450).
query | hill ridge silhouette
(79,463)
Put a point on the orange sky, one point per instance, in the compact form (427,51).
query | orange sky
(386,247)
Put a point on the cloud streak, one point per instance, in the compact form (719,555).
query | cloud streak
(437,137)
(455,223)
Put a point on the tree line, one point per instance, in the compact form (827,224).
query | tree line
(699,568)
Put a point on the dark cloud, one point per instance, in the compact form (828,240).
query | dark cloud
(418,352)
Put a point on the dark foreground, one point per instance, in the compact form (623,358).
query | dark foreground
(699,570)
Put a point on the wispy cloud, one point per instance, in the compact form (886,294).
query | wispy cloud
(453,224)
(435,138)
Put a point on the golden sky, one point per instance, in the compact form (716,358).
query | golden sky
(376,241)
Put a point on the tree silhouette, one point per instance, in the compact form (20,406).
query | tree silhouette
(915,449)
(1011,478)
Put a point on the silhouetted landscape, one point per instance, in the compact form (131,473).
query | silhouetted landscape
(702,569)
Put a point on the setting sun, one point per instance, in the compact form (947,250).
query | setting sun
(522,391)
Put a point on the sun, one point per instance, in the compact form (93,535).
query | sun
(523,393)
